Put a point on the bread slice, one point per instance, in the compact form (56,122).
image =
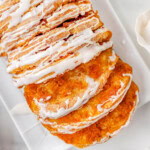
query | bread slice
(97,107)
(107,127)
(66,93)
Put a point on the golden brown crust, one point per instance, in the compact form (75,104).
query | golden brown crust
(89,112)
(104,128)
(71,84)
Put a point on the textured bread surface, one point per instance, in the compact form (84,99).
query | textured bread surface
(71,85)
(105,128)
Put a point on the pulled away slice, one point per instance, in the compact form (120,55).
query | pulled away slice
(109,126)
(66,93)
(98,106)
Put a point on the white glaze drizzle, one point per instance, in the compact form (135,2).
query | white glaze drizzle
(138,99)
(13,36)
(24,5)
(86,7)
(99,107)
(80,100)
(54,50)
(74,127)
(2,2)
(95,142)
(48,98)
(73,14)
(37,10)
(6,13)
(127,75)
(67,64)
(121,91)
(113,57)
(123,126)
(85,54)
(9,37)
(18,15)
(112,68)
(41,100)
(83,21)
(92,120)
(32,57)
(70,129)
(38,14)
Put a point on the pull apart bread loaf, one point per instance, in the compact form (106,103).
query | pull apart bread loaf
(61,54)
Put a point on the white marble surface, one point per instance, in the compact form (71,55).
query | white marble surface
(9,136)
(140,126)
(128,10)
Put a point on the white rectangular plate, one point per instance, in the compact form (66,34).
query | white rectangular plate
(33,134)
